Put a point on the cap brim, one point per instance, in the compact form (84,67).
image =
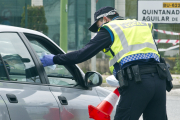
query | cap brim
(93,27)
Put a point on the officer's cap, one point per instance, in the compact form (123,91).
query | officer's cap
(105,11)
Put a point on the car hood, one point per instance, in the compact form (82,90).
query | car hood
(102,92)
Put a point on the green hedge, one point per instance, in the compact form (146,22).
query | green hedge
(36,19)
(177,65)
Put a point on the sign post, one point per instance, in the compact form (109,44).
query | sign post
(93,10)
(64,24)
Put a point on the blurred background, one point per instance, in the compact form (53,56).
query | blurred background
(44,16)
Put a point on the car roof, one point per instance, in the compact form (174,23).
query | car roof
(6,28)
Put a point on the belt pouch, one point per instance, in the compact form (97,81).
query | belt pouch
(169,77)
(164,73)
(122,82)
(136,73)
(162,70)
(129,73)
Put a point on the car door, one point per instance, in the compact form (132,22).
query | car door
(22,85)
(4,115)
(65,82)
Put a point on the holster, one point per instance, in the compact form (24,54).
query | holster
(164,73)
(122,81)
(136,73)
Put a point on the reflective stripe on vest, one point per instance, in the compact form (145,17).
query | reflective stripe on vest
(127,48)
(149,25)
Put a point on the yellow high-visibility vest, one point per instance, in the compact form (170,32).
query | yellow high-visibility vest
(130,37)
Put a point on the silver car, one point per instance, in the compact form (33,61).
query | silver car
(28,91)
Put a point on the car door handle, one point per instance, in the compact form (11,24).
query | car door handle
(63,100)
(12,98)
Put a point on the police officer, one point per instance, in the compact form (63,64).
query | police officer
(133,60)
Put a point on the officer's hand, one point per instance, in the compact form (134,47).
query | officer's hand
(47,60)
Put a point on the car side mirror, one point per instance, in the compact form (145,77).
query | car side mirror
(93,79)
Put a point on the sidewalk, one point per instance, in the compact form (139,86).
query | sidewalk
(176,81)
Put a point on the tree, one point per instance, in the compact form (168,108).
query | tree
(36,19)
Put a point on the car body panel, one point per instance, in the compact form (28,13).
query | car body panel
(78,101)
(4,115)
(34,101)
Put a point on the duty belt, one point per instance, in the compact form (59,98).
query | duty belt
(134,71)
(144,69)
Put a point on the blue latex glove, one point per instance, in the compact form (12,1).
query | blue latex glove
(47,60)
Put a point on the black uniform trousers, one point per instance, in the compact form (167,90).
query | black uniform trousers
(147,98)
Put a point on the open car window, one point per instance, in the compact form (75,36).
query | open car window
(57,74)
(16,63)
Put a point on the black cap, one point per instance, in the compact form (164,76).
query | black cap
(105,11)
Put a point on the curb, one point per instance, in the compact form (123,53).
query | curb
(176,86)
(107,85)
(175,82)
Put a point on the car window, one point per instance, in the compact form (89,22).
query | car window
(57,74)
(18,63)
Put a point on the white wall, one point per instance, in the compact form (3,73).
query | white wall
(36,2)
(120,7)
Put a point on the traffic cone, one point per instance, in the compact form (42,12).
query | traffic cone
(104,109)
